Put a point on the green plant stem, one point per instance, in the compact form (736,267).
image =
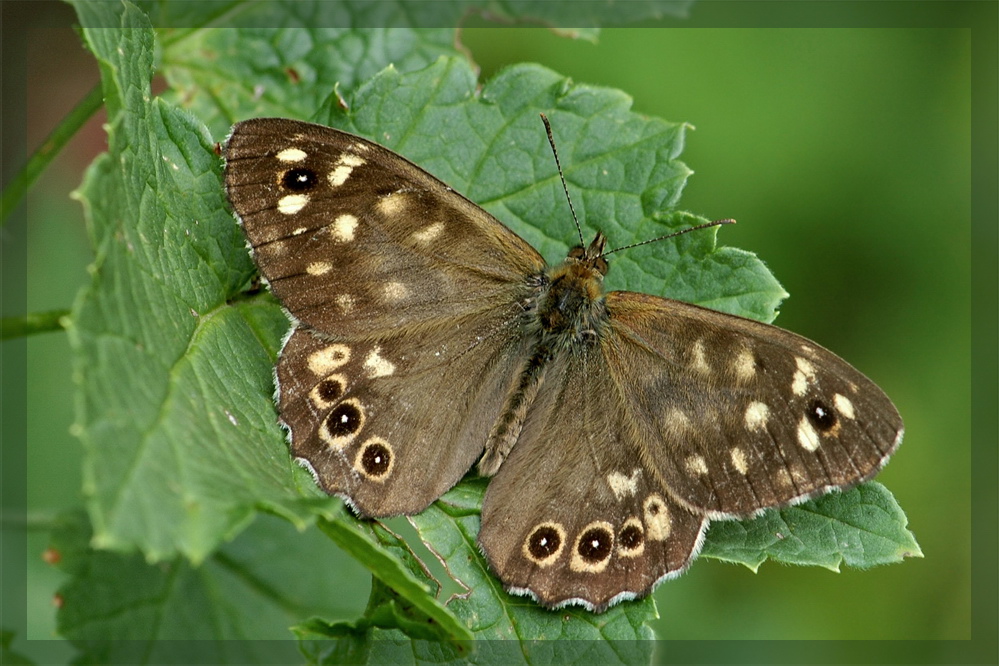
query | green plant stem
(29,324)
(60,136)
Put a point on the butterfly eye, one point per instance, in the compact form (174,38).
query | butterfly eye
(593,548)
(375,459)
(331,389)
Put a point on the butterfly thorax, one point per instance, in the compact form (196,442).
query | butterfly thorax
(571,304)
(570,300)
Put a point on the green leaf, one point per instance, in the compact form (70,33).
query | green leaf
(174,377)
(582,19)
(260,69)
(236,607)
(226,75)
(862,527)
(409,595)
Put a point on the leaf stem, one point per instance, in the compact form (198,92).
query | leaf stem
(60,136)
(31,323)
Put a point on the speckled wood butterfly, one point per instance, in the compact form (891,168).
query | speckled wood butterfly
(428,336)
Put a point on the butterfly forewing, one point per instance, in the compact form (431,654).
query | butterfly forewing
(738,415)
(355,239)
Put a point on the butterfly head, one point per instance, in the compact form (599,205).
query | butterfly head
(592,256)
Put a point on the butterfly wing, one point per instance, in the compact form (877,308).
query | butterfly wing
(354,238)
(407,300)
(575,514)
(738,415)
(679,415)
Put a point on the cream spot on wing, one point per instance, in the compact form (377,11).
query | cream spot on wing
(343,227)
(359,147)
(319,268)
(624,486)
(428,233)
(324,361)
(744,365)
(657,519)
(351,160)
(391,204)
(299,231)
(345,302)
(783,478)
(696,465)
(291,155)
(807,437)
(677,420)
(344,167)
(339,175)
(756,416)
(844,406)
(395,291)
(739,460)
(802,376)
(274,248)
(292,203)
(700,360)
(377,365)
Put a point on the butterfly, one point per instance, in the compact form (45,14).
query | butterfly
(429,338)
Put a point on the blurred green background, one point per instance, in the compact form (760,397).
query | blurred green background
(845,156)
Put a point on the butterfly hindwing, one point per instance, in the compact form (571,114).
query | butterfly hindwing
(593,527)
(369,417)
(672,420)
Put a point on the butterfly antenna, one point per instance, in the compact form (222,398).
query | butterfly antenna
(716,223)
(558,165)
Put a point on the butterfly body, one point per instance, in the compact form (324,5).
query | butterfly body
(564,314)
(428,336)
